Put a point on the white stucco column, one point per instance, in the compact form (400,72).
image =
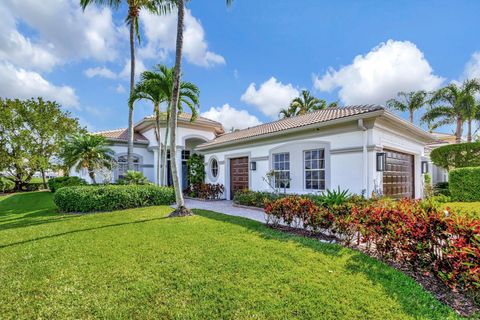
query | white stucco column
(155,156)
(179,163)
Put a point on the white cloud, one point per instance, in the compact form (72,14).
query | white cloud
(63,33)
(271,96)
(139,68)
(472,68)
(19,83)
(380,74)
(120,89)
(231,117)
(160,32)
(100,72)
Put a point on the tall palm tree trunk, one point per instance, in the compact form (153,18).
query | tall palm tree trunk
(469,134)
(164,151)
(181,210)
(459,130)
(91,173)
(132,84)
(411,115)
(157,136)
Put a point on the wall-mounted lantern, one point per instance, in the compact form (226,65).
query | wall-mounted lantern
(253,166)
(381,160)
(424,167)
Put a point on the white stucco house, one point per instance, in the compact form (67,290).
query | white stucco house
(363,149)
(146,148)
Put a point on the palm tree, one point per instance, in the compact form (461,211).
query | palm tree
(88,151)
(150,89)
(181,210)
(452,105)
(134,7)
(157,87)
(304,104)
(472,113)
(408,101)
(288,112)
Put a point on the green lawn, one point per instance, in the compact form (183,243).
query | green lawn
(471,209)
(139,264)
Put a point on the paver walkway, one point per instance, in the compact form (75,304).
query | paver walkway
(226,207)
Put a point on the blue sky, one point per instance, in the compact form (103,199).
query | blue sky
(249,60)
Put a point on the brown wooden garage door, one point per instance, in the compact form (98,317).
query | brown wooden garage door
(398,177)
(238,175)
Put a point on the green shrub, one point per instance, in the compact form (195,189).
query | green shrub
(56,183)
(332,197)
(464,184)
(254,198)
(196,169)
(133,177)
(459,155)
(441,188)
(257,198)
(32,186)
(6,185)
(441,198)
(111,197)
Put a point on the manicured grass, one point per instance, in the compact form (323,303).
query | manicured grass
(138,264)
(471,209)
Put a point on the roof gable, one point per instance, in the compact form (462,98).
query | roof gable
(121,135)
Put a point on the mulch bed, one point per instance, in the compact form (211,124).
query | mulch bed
(461,302)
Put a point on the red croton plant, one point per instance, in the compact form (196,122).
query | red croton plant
(409,231)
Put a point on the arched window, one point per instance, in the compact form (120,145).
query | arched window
(123,165)
(214,167)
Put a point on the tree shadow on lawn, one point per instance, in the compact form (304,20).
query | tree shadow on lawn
(395,284)
(78,231)
(29,209)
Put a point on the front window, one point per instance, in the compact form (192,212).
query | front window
(123,165)
(281,169)
(214,168)
(314,166)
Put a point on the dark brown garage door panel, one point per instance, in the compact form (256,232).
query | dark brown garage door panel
(398,177)
(238,175)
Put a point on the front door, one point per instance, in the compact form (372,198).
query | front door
(398,177)
(238,175)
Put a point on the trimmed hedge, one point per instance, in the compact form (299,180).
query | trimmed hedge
(6,185)
(56,183)
(33,186)
(111,197)
(459,155)
(328,198)
(464,184)
(254,198)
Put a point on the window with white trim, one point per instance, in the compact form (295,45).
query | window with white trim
(314,168)
(281,169)
(123,165)
(214,167)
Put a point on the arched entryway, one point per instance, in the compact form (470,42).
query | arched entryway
(189,144)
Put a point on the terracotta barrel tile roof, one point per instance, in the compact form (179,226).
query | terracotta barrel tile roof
(121,135)
(291,123)
(186,117)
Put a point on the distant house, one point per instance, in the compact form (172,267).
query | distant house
(363,149)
